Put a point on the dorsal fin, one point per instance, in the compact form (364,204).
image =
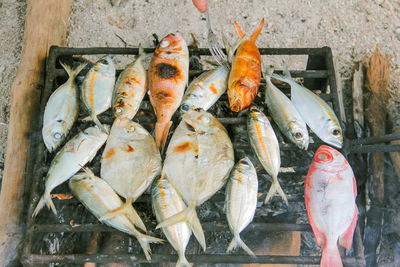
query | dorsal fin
(239,31)
(255,34)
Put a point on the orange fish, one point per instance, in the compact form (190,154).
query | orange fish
(245,75)
(168,77)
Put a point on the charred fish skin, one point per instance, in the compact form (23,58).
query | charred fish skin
(265,145)
(286,115)
(317,114)
(76,153)
(166,202)
(198,161)
(245,76)
(97,88)
(168,76)
(330,193)
(99,198)
(205,90)
(241,201)
(130,88)
(61,110)
(130,162)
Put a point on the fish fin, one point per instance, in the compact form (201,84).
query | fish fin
(129,211)
(72,73)
(346,239)
(101,126)
(255,34)
(237,241)
(276,188)
(198,232)
(141,53)
(161,131)
(144,241)
(182,261)
(286,72)
(44,200)
(330,257)
(239,31)
(88,171)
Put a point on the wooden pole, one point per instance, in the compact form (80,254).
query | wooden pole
(45,25)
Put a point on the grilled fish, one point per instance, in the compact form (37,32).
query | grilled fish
(198,161)
(130,88)
(318,115)
(285,114)
(168,77)
(61,110)
(166,202)
(241,201)
(97,88)
(100,199)
(129,164)
(78,151)
(264,143)
(330,193)
(245,75)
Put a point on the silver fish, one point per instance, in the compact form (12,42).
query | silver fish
(198,162)
(78,151)
(241,201)
(205,90)
(264,143)
(61,110)
(166,202)
(285,114)
(130,88)
(100,199)
(97,88)
(129,164)
(318,115)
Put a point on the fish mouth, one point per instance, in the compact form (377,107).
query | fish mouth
(236,105)
(335,143)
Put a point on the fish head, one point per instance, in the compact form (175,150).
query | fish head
(299,134)
(105,66)
(197,120)
(185,106)
(128,130)
(171,44)
(95,133)
(241,93)
(53,134)
(255,112)
(245,166)
(329,159)
(334,135)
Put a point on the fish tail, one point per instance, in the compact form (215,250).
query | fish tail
(237,241)
(182,261)
(238,29)
(98,124)
(197,229)
(230,49)
(276,188)
(330,257)
(188,215)
(44,200)
(141,53)
(255,34)
(162,130)
(72,73)
(144,241)
(269,70)
(129,211)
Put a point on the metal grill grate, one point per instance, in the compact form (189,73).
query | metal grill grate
(319,74)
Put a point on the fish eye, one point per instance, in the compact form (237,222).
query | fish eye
(118,110)
(185,107)
(130,129)
(298,135)
(103,61)
(244,162)
(336,132)
(57,135)
(164,43)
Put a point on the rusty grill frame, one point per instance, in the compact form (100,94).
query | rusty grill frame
(318,74)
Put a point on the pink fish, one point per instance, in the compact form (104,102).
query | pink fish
(330,194)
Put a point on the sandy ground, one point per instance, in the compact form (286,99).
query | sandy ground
(351,28)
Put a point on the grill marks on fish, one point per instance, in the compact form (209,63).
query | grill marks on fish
(213,89)
(167,71)
(110,153)
(129,148)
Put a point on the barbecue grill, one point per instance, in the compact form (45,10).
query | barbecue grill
(71,232)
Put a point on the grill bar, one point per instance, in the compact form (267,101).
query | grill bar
(52,72)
